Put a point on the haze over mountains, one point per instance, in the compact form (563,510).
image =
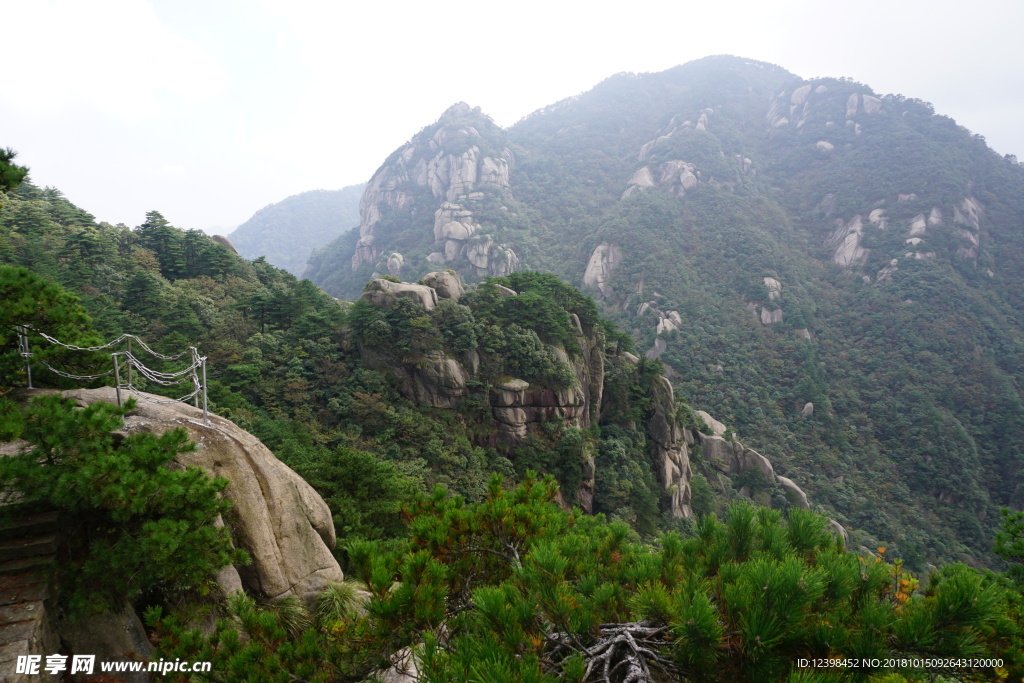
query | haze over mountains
(834,273)
(288,231)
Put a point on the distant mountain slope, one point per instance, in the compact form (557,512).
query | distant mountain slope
(834,273)
(288,231)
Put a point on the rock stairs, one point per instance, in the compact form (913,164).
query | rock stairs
(28,547)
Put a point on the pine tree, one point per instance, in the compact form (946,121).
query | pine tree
(167,242)
(11,174)
(27,299)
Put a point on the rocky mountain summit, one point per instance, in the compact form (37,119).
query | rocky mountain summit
(450,181)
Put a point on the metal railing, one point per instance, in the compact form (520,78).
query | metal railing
(195,373)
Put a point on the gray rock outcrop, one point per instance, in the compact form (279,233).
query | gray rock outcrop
(446,285)
(795,491)
(431,163)
(395,263)
(603,262)
(732,457)
(224,242)
(669,449)
(277,517)
(846,243)
(383,293)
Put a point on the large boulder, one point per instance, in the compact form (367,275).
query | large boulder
(439,381)
(717,427)
(446,284)
(794,491)
(276,516)
(383,293)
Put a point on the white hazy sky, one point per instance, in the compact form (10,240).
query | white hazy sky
(208,110)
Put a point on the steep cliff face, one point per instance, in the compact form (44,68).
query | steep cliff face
(518,409)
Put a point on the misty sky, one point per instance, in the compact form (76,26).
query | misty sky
(208,110)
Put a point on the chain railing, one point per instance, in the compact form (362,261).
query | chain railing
(194,374)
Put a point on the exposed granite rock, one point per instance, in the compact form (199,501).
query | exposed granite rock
(668,448)
(794,490)
(846,241)
(887,272)
(405,667)
(852,105)
(440,382)
(718,451)
(642,178)
(747,458)
(383,293)
(449,176)
(603,262)
(807,410)
(505,291)
(717,428)
(395,263)
(732,457)
(799,96)
(678,176)
(918,225)
(517,407)
(655,352)
(447,285)
(968,213)
(224,242)
(771,317)
(839,530)
(28,546)
(276,516)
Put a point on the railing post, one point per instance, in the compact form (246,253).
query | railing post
(26,354)
(129,361)
(206,415)
(195,378)
(117,378)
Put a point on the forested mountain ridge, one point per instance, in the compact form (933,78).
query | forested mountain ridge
(833,273)
(413,385)
(288,231)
